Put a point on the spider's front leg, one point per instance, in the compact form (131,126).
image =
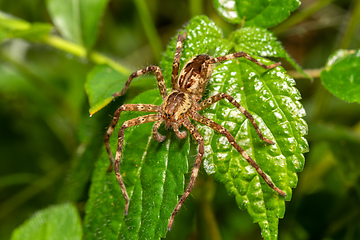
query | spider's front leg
(125,107)
(220,129)
(175,70)
(206,103)
(158,137)
(239,55)
(159,77)
(192,129)
(127,124)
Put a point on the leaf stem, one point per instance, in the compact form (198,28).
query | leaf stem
(313,73)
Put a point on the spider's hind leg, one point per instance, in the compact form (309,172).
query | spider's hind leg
(220,129)
(206,103)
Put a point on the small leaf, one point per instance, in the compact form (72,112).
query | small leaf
(260,13)
(11,27)
(101,82)
(341,76)
(56,222)
(261,42)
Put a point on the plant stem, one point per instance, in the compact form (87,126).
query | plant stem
(150,29)
(81,52)
(206,200)
(352,26)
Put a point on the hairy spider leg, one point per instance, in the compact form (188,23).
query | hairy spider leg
(158,137)
(159,78)
(179,134)
(192,129)
(239,55)
(211,100)
(220,129)
(127,124)
(125,107)
(175,71)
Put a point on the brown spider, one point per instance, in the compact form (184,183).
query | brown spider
(180,105)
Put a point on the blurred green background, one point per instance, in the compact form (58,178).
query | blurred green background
(46,131)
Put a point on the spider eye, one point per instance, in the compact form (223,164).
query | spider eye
(188,85)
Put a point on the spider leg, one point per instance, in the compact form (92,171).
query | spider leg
(125,107)
(127,124)
(158,137)
(192,129)
(179,134)
(217,127)
(206,103)
(159,77)
(175,70)
(242,54)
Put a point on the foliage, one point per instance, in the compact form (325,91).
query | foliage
(57,222)
(260,13)
(47,132)
(139,164)
(341,75)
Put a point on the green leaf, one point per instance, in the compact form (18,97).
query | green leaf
(56,222)
(273,101)
(12,27)
(260,13)
(261,42)
(341,76)
(267,94)
(153,174)
(101,82)
(77,20)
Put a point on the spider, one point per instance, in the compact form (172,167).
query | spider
(176,110)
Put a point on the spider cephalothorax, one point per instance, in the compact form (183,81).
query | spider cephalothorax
(181,105)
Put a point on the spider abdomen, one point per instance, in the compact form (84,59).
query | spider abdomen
(194,76)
